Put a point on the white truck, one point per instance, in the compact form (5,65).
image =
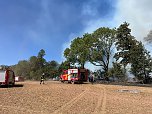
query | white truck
(19,79)
(7,77)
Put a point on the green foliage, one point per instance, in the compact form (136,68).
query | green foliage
(22,68)
(63,66)
(124,43)
(116,72)
(4,67)
(95,48)
(51,69)
(41,61)
(141,64)
(79,50)
(41,53)
(35,66)
(132,52)
(101,49)
(33,63)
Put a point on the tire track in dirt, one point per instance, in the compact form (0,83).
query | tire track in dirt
(101,104)
(103,110)
(71,102)
(16,108)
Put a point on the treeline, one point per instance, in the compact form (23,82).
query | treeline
(116,46)
(33,68)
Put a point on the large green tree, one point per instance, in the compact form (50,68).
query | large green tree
(78,53)
(37,65)
(22,69)
(34,67)
(141,62)
(132,52)
(40,58)
(124,43)
(102,48)
(51,69)
(33,63)
(116,72)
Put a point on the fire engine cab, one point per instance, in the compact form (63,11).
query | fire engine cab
(74,75)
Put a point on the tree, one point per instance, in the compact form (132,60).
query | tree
(116,72)
(102,47)
(70,57)
(141,62)
(4,67)
(41,53)
(124,43)
(22,69)
(132,52)
(79,50)
(40,59)
(63,66)
(51,69)
(33,68)
(33,61)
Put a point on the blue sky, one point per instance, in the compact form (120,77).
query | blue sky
(26,26)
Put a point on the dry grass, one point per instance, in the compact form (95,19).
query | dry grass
(57,98)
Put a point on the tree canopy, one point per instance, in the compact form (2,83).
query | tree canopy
(101,49)
(97,48)
(79,50)
(33,68)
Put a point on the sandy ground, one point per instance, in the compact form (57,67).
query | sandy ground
(57,98)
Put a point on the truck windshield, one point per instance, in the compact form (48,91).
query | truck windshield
(2,73)
(74,75)
(2,76)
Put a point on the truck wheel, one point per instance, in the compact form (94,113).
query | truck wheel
(62,81)
(13,84)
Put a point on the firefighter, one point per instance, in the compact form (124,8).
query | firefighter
(42,78)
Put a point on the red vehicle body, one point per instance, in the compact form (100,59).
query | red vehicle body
(74,75)
(7,77)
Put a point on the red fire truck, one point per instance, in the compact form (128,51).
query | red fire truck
(7,77)
(74,75)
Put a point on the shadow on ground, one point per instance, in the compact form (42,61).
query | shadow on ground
(11,86)
(124,84)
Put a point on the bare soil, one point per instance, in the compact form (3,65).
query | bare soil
(57,98)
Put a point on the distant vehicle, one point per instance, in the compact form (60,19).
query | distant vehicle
(19,79)
(7,77)
(74,75)
(56,79)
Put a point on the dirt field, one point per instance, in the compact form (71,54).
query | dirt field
(57,98)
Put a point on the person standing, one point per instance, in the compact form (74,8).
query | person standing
(42,78)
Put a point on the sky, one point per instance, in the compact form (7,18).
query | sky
(27,26)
